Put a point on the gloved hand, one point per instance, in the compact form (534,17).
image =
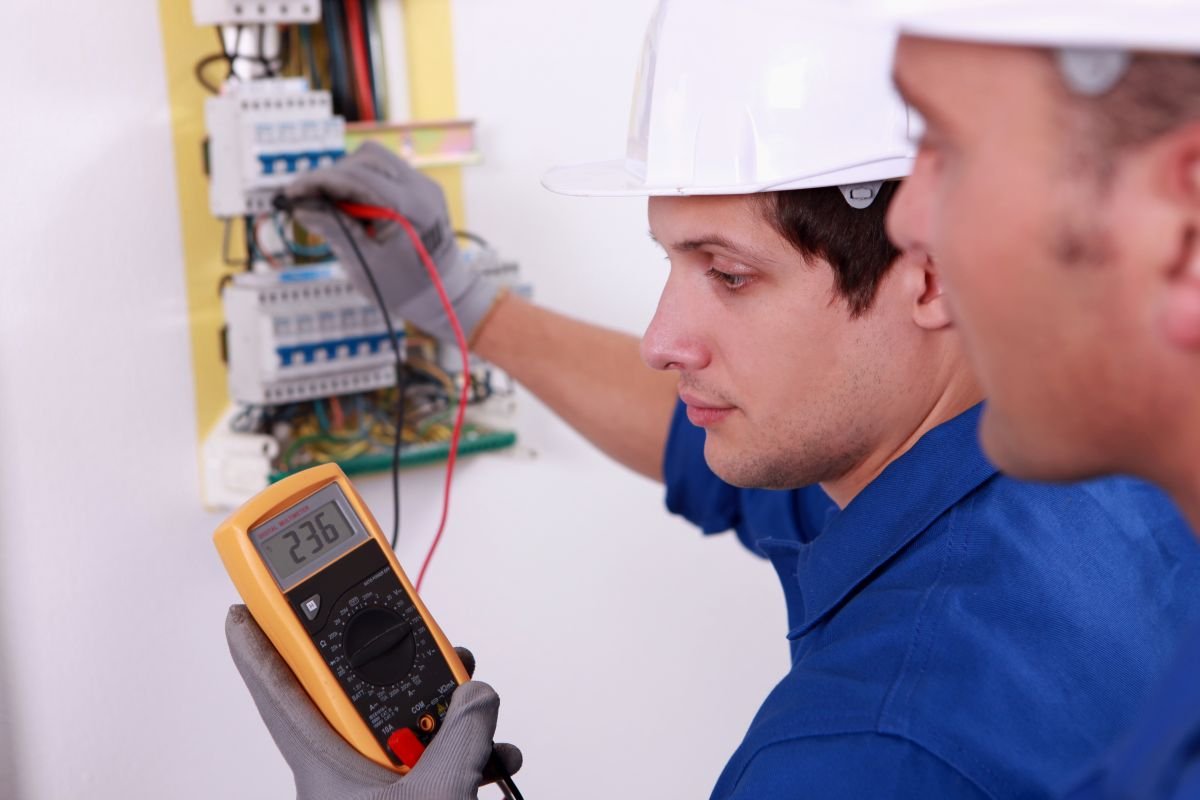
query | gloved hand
(373,175)
(326,767)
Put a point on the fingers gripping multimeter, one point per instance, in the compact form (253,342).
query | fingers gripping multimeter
(317,574)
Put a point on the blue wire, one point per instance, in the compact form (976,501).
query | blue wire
(322,417)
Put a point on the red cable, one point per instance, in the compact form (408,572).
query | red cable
(357,37)
(360,211)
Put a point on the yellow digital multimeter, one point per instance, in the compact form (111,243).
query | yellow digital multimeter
(317,574)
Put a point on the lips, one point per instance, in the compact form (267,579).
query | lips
(704,413)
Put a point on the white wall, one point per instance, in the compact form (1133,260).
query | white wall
(630,653)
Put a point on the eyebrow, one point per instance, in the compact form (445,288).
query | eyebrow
(714,240)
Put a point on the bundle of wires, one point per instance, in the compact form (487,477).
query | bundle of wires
(344,52)
(355,65)
(340,429)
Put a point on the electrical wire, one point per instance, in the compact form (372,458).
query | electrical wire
(339,70)
(472,237)
(357,38)
(310,57)
(297,249)
(202,65)
(230,57)
(387,318)
(256,245)
(337,419)
(374,45)
(367,212)
(261,56)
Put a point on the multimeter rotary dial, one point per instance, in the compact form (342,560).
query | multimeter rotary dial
(377,639)
(380,646)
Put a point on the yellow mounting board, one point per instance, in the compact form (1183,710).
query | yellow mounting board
(430,54)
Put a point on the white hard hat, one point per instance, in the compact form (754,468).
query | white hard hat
(754,96)
(1150,25)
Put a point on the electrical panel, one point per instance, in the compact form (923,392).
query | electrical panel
(311,370)
(303,333)
(261,135)
(241,12)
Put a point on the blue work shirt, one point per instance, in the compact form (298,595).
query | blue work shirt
(954,633)
(1159,759)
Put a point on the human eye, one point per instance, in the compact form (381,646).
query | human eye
(727,281)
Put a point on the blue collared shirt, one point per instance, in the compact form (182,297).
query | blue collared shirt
(954,633)
(1159,758)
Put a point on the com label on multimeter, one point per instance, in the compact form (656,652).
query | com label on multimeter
(321,581)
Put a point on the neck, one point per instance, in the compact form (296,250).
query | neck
(1167,456)
(1190,506)
(1183,484)
(958,394)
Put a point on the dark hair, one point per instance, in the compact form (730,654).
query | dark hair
(819,223)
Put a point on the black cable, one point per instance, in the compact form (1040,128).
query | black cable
(268,69)
(510,789)
(284,54)
(387,318)
(224,55)
(472,237)
(204,64)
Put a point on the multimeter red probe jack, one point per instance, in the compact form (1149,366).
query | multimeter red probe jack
(368,213)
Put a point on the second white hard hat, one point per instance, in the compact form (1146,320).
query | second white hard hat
(1146,25)
(753,96)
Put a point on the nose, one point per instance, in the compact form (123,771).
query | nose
(909,216)
(672,340)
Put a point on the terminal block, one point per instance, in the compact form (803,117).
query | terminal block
(261,135)
(303,333)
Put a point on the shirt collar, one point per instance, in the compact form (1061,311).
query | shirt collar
(916,489)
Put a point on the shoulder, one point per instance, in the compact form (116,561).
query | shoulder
(1114,503)
(846,765)
(1093,535)
(1071,594)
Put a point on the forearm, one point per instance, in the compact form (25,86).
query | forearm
(592,377)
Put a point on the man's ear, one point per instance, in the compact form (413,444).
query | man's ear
(1179,315)
(930,310)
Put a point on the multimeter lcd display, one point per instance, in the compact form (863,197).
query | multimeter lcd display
(311,541)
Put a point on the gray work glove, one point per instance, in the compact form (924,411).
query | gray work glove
(325,766)
(373,175)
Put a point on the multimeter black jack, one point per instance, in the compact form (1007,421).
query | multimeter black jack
(317,574)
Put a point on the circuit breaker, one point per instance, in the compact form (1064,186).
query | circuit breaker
(304,333)
(261,135)
(238,12)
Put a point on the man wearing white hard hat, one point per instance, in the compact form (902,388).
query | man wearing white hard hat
(949,637)
(1058,184)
